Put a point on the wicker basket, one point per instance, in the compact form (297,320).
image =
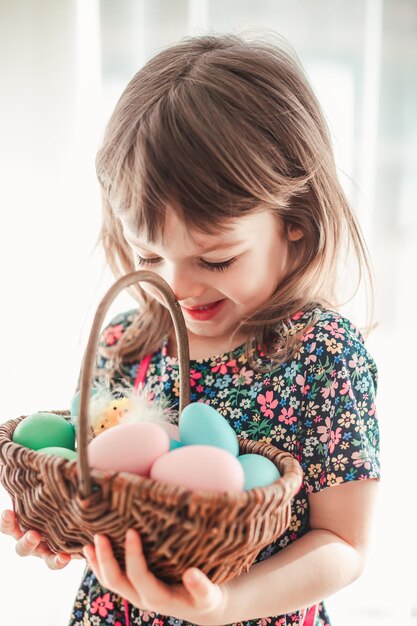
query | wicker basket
(67,502)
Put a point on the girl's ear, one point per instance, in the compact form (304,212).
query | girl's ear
(294,233)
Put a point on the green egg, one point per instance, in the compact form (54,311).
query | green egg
(201,424)
(42,430)
(259,471)
(57,451)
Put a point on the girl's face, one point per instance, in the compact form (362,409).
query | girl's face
(232,273)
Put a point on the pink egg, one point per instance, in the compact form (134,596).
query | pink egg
(128,448)
(172,430)
(200,467)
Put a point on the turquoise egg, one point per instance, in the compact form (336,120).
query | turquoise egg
(200,424)
(57,451)
(42,430)
(75,402)
(173,444)
(259,471)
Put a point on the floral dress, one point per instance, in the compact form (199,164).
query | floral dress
(319,406)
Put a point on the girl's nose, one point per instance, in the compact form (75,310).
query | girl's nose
(184,284)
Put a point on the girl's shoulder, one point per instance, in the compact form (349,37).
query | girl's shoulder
(323,324)
(328,338)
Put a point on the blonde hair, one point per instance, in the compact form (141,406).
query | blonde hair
(221,126)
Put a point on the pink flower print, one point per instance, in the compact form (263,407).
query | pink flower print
(243,377)
(264,621)
(347,389)
(287,417)
(358,363)
(158,622)
(194,376)
(301,380)
(267,403)
(328,435)
(360,458)
(312,358)
(333,327)
(297,316)
(102,604)
(372,410)
(335,437)
(113,334)
(220,365)
(330,391)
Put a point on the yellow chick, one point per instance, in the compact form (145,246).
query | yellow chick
(111,416)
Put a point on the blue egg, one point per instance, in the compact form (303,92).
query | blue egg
(75,402)
(173,444)
(259,471)
(200,424)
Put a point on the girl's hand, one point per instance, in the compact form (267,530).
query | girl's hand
(197,600)
(30,543)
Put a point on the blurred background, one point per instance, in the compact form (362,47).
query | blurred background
(63,65)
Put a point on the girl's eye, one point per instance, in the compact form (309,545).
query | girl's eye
(141,261)
(212,267)
(217,267)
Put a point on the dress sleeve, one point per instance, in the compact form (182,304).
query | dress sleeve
(339,433)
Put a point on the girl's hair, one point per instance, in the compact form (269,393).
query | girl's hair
(221,126)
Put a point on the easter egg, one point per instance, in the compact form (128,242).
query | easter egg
(75,402)
(200,424)
(42,430)
(172,430)
(259,471)
(173,444)
(57,451)
(200,467)
(174,435)
(128,448)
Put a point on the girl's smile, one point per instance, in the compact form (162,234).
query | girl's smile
(206,312)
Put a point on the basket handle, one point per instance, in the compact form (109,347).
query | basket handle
(87,372)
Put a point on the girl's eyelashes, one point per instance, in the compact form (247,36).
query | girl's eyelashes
(212,267)
(220,267)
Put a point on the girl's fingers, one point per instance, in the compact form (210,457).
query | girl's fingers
(28,543)
(147,586)
(101,560)
(199,586)
(57,561)
(8,525)
(137,571)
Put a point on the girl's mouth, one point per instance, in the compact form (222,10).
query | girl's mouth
(205,312)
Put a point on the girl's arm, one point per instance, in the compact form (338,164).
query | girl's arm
(314,567)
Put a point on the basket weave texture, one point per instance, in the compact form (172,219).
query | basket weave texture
(68,502)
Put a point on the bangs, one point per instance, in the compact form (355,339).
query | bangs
(195,151)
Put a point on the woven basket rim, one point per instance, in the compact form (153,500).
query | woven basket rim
(287,481)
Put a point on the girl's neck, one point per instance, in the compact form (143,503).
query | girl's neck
(205,347)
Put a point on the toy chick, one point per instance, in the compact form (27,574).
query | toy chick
(110,416)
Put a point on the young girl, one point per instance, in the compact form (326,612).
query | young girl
(217,174)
